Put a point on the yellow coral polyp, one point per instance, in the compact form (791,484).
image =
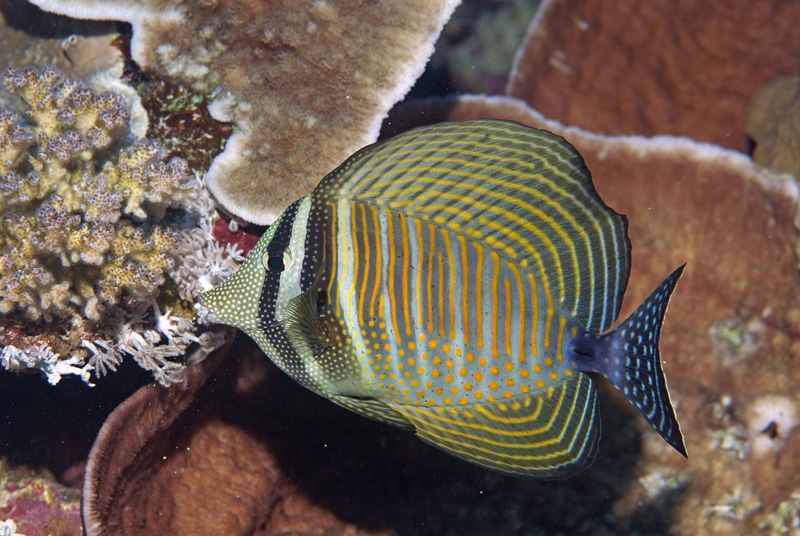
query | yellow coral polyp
(75,239)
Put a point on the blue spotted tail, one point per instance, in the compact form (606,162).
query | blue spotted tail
(629,357)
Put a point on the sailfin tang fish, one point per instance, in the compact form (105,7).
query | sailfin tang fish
(459,280)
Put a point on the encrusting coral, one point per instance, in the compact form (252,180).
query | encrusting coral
(658,67)
(86,244)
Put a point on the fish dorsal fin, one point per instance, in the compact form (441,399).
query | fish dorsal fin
(554,434)
(524,192)
(372,409)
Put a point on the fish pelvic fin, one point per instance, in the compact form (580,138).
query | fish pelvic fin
(546,435)
(629,357)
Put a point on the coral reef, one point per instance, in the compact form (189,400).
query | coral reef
(730,342)
(743,470)
(280,459)
(306,83)
(85,244)
(35,504)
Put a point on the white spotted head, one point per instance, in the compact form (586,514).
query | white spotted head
(252,300)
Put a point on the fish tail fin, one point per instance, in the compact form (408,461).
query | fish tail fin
(640,376)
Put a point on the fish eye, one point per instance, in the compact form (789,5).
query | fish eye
(276,261)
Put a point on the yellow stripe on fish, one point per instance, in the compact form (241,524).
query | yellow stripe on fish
(457,279)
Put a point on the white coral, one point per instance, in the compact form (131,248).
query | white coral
(204,262)
(157,349)
(42,357)
(9,528)
(769,419)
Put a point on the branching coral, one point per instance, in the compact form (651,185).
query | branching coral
(71,231)
(86,243)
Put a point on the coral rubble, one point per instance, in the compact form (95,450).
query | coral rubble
(36,503)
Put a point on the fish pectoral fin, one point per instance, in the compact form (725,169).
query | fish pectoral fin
(306,330)
(552,434)
(372,409)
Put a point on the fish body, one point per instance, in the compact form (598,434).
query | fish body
(458,280)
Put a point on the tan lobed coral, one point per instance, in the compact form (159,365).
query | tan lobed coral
(305,82)
(773,122)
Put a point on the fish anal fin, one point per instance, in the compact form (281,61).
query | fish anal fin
(532,435)
(372,409)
